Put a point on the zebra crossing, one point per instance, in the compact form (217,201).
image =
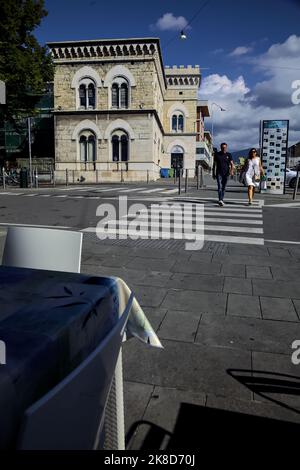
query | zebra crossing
(235,223)
(115,191)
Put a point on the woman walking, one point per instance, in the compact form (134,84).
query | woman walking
(253,173)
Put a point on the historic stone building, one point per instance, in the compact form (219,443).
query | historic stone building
(119,113)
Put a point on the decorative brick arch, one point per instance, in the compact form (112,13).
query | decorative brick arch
(86,72)
(178,107)
(84,125)
(119,71)
(175,142)
(119,124)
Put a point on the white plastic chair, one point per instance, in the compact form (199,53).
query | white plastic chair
(71,415)
(43,248)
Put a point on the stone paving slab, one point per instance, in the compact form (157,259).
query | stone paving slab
(194,301)
(233,270)
(284,289)
(258,272)
(179,325)
(243,306)
(281,273)
(151,264)
(196,267)
(274,308)
(186,366)
(198,282)
(255,260)
(247,333)
(235,285)
(149,296)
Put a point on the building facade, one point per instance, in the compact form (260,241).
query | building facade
(118,112)
(204,146)
(294,155)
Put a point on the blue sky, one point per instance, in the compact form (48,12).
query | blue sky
(233,42)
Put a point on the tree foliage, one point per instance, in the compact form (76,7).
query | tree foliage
(25,65)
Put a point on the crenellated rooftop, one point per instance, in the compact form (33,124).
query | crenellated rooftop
(183,75)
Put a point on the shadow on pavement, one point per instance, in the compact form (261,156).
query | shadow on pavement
(269,385)
(208,430)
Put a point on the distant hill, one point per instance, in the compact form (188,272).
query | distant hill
(240,153)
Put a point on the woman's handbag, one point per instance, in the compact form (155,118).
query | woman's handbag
(263,183)
(243,172)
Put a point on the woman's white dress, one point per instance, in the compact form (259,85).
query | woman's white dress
(252,172)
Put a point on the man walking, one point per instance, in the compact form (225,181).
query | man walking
(222,167)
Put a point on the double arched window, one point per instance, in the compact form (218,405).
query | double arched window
(119,93)
(87,94)
(87,145)
(177,122)
(120,146)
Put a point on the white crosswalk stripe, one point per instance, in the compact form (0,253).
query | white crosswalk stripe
(188,222)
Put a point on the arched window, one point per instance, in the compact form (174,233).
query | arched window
(120,93)
(87,147)
(91,95)
(177,122)
(124,95)
(87,94)
(82,96)
(174,123)
(120,146)
(115,96)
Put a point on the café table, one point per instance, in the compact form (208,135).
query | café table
(50,322)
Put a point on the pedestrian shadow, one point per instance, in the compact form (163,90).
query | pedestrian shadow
(271,386)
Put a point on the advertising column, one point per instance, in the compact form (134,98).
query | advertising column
(274,145)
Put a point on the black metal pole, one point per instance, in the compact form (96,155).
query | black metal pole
(179,181)
(186,181)
(296,186)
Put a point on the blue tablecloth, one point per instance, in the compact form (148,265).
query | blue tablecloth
(50,321)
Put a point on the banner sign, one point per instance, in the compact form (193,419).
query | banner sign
(274,145)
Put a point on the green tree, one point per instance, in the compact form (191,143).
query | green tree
(25,65)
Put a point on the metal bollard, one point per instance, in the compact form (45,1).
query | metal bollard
(186,181)
(53,176)
(296,186)
(73,176)
(179,182)
(67,177)
(3,178)
(147,176)
(198,177)
(201,177)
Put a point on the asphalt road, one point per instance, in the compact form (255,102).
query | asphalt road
(76,207)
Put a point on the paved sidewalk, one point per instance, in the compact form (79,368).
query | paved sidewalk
(227,316)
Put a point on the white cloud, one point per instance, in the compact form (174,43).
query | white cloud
(169,22)
(269,98)
(241,50)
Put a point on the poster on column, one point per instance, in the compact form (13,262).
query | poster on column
(274,145)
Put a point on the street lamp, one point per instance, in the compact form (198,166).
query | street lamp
(212,118)
(182,35)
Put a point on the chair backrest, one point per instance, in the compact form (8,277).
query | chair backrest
(43,248)
(69,416)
